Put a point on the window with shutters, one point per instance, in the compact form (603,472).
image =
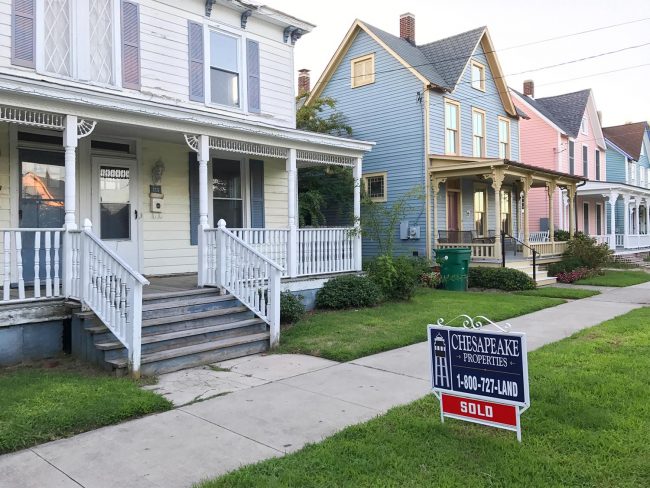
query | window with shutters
(224,69)
(76,39)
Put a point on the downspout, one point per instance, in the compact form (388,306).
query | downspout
(427,183)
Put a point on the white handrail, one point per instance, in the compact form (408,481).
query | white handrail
(244,272)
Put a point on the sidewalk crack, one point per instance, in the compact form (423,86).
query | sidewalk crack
(58,469)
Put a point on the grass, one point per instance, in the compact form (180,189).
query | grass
(350,334)
(557,292)
(616,278)
(587,427)
(42,404)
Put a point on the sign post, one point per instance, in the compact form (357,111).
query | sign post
(480,375)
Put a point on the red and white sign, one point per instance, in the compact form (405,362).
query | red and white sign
(480,410)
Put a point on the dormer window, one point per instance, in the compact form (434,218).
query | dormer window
(224,69)
(584,126)
(478,76)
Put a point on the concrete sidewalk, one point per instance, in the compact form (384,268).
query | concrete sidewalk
(278,403)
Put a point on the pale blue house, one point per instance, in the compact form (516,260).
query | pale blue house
(444,123)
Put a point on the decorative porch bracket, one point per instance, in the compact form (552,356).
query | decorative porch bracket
(44,120)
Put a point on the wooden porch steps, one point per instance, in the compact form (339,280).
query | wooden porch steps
(542,277)
(179,330)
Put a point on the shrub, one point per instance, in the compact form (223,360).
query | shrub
(586,251)
(564,266)
(500,278)
(575,275)
(347,292)
(562,235)
(397,278)
(431,279)
(291,307)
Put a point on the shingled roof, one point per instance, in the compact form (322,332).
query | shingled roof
(566,111)
(628,137)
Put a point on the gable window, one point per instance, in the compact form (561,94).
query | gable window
(478,133)
(585,161)
(452,127)
(504,138)
(597,165)
(572,157)
(224,69)
(363,70)
(375,185)
(584,126)
(478,76)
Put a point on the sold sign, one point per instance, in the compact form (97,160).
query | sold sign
(489,412)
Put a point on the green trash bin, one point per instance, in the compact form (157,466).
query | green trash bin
(454,264)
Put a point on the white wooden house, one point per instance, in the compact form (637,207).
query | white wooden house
(128,131)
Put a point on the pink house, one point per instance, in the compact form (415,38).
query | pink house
(563,133)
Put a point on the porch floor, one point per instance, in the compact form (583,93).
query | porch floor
(171,283)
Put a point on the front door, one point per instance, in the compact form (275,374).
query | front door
(453,210)
(42,192)
(115,210)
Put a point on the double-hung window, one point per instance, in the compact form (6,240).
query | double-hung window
(584,126)
(597,165)
(478,133)
(633,171)
(585,161)
(572,157)
(452,127)
(504,138)
(224,69)
(478,76)
(480,211)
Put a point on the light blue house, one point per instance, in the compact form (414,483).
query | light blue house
(627,187)
(446,132)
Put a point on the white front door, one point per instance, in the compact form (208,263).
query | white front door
(115,206)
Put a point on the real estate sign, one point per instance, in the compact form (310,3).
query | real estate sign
(480,376)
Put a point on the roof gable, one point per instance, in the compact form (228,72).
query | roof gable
(567,110)
(628,137)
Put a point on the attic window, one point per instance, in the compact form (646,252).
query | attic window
(362,71)
(478,76)
(584,126)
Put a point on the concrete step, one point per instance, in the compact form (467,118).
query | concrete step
(194,355)
(550,280)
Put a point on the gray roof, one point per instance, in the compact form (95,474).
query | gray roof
(566,111)
(441,62)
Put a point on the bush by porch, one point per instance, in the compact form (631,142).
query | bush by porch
(350,334)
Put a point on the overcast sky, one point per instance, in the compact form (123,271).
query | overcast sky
(622,96)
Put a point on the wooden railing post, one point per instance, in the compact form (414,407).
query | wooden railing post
(135,348)
(274,297)
(84,264)
(221,244)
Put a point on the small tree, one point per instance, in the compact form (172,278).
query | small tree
(310,117)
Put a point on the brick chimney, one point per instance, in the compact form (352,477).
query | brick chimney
(304,81)
(529,88)
(407,27)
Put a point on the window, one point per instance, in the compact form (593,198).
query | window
(648,177)
(224,69)
(599,219)
(478,76)
(572,157)
(79,42)
(585,218)
(375,185)
(452,127)
(478,133)
(115,206)
(633,172)
(597,165)
(584,126)
(585,161)
(362,71)
(227,201)
(504,138)
(480,211)
(642,174)
(506,211)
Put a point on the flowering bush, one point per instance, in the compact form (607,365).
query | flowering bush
(575,275)
(431,279)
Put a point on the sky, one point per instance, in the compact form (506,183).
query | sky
(622,96)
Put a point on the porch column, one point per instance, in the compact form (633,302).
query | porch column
(647,216)
(571,194)
(613,196)
(356,173)
(435,188)
(551,186)
(203,156)
(626,220)
(70,142)
(527,182)
(637,208)
(292,244)
(497,181)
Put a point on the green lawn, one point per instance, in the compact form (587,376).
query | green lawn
(350,334)
(616,278)
(39,405)
(557,292)
(588,426)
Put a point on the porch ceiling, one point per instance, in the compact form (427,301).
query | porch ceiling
(455,166)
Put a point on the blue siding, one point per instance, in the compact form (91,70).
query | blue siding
(615,166)
(388,113)
(469,98)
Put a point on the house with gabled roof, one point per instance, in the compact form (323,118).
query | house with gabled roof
(563,133)
(444,121)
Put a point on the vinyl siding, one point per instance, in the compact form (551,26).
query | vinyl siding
(615,166)
(469,98)
(392,118)
(276,194)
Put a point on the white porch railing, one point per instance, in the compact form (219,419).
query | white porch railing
(603,239)
(36,249)
(637,241)
(322,251)
(479,250)
(246,273)
(272,243)
(108,286)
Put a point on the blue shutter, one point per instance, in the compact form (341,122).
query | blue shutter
(23,33)
(194,198)
(257,193)
(253,66)
(130,45)
(196,57)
